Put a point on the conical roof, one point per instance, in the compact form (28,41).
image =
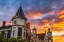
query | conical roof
(20,13)
(34,28)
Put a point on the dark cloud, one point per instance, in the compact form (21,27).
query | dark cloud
(9,7)
(43,6)
(49,18)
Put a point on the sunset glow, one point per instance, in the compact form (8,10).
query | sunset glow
(42,14)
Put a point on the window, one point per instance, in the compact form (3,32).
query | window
(46,39)
(5,35)
(19,31)
(15,22)
(34,35)
(24,34)
(14,32)
(9,34)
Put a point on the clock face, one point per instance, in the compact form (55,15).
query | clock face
(15,22)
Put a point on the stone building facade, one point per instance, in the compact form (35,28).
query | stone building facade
(42,37)
(20,28)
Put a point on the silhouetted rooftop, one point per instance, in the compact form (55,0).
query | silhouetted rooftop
(41,36)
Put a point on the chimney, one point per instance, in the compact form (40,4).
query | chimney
(4,22)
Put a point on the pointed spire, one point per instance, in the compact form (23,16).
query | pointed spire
(45,32)
(34,28)
(20,13)
(48,29)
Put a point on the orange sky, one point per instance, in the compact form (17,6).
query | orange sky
(42,14)
(57,28)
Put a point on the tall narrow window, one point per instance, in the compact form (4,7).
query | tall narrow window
(6,34)
(20,32)
(3,33)
(14,32)
(9,34)
(24,34)
(46,39)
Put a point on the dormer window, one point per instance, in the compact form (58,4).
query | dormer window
(15,22)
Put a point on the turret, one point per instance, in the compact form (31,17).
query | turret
(48,29)
(20,14)
(34,32)
(19,18)
(19,24)
(49,35)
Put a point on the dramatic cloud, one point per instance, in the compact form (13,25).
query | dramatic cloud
(42,14)
(58,38)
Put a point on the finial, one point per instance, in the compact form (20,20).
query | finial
(34,28)
(20,4)
(49,29)
(45,31)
